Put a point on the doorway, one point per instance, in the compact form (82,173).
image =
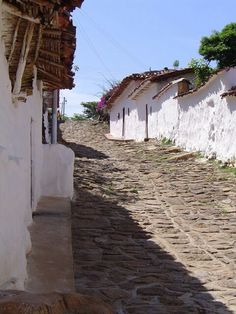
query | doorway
(123,123)
(146,124)
(31,165)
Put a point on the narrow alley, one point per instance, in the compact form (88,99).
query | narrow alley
(154,229)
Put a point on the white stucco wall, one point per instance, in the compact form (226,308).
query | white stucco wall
(130,121)
(167,114)
(201,121)
(20,125)
(57,171)
(135,123)
(27,171)
(207,122)
(145,99)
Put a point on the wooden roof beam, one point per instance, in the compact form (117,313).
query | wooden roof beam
(38,42)
(23,58)
(50,53)
(11,9)
(57,65)
(52,32)
(14,40)
(50,76)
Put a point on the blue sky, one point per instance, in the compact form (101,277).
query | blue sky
(117,38)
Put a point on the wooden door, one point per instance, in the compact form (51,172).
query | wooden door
(123,123)
(146,124)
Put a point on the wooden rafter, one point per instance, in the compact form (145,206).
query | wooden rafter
(51,63)
(55,78)
(50,53)
(11,9)
(14,40)
(23,57)
(33,36)
(38,42)
(52,32)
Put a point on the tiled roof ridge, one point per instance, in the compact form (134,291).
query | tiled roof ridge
(211,77)
(230,92)
(160,75)
(162,90)
(143,76)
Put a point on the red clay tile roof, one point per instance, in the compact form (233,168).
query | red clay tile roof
(161,75)
(162,90)
(167,86)
(151,76)
(230,92)
(118,90)
(212,77)
(171,73)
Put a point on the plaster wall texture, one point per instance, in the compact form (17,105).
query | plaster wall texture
(23,162)
(57,171)
(135,115)
(167,114)
(202,121)
(135,121)
(20,126)
(116,124)
(207,121)
(145,103)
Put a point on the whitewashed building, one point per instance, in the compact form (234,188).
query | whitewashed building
(207,117)
(133,111)
(37,43)
(166,106)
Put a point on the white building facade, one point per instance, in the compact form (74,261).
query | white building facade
(134,112)
(28,168)
(201,119)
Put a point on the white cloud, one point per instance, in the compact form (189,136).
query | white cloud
(74,100)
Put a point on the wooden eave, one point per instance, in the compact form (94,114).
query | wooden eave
(230,92)
(39,33)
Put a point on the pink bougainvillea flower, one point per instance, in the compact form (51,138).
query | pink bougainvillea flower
(101,104)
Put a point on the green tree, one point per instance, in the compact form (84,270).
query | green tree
(78,117)
(220,46)
(202,71)
(90,110)
(176,64)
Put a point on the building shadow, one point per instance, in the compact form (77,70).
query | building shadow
(81,151)
(115,259)
(118,261)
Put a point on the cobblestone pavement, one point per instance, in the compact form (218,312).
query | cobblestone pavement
(154,230)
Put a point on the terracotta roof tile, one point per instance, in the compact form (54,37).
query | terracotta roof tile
(144,77)
(161,75)
(212,77)
(230,92)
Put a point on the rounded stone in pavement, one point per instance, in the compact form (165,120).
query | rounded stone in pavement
(151,234)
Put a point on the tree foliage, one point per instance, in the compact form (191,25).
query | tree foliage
(220,46)
(78,117)
(202,71)
(90,111)
(176,64)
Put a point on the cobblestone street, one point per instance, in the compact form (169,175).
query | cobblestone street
(154,229)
